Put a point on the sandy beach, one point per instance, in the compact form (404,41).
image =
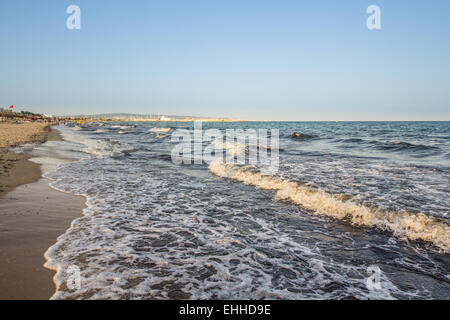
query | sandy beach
(12,134)
(32,215)
(15,169)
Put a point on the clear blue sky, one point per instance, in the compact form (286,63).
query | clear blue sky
(279,60)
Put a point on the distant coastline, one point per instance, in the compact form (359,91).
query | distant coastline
(130,117)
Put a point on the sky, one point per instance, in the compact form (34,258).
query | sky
(246,59)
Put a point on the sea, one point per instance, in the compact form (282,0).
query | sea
(355,210)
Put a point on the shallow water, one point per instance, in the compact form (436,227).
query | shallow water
(346,196)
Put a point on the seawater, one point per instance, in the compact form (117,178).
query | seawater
(347,196)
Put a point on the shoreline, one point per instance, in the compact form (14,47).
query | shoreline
(32,216)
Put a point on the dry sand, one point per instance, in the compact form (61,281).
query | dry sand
(32,216)
(12,134)
(14,168)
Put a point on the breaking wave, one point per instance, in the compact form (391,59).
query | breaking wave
(158,130)
(98,148)
(401,223)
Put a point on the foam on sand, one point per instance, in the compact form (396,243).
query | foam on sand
(402,223)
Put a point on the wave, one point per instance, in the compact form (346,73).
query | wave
(394,146)
(123,127)
(301,136)
(236,148)
(157,130)
(403,146)
(98,148)
(352,140)
(401,223)
(161,136)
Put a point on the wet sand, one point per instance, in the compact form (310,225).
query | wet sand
(32,216)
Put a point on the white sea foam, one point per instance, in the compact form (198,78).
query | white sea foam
(402,223)
(122,127)
(156,129)
(235,148)
(95,147)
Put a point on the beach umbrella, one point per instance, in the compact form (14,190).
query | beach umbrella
(11,107)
